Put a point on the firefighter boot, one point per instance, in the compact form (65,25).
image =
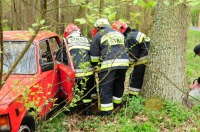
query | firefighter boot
(87,109)
(106,113)
(117,105)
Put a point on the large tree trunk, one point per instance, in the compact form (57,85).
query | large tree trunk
(165,74)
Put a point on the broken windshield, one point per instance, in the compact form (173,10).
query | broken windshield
(12,50)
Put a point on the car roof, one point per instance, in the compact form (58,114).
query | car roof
(25,35)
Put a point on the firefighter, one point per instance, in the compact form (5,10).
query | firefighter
(108,52)
(79,47)
(197,50)
(137,45)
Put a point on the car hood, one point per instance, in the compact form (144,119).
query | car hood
(14,86)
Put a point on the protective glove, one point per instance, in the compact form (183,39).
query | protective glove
(132,64)
(97,69)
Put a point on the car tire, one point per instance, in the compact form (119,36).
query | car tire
(24,128)
(27,125)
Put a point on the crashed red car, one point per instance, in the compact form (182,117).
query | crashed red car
(38,81)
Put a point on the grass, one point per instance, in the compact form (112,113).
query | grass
(138,116)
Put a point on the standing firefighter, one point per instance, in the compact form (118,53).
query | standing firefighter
(108,51)
(138,46)
(79,48)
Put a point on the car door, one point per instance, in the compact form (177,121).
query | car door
(49,74)
(62,58)
(67,73)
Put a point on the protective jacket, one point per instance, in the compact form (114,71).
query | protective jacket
(79,48)
(108,50)
(137,46)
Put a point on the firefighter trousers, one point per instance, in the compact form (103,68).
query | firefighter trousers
(136,79)
(111,89)
(87,84)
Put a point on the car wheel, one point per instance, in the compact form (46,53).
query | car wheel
(27,125)
(24,128)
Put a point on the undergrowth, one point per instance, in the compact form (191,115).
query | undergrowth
(139,114)
(134,116)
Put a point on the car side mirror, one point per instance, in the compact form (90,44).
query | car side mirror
(47,66)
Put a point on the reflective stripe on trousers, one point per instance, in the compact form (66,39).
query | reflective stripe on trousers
(94,58)
(107,107)
(134,91)
(84,74)
(87,100)
(117,100)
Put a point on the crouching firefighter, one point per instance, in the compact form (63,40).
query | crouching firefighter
(79,47)
(108,50)
(137,45)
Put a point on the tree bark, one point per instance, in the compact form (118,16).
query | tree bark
(101,7)
(165,73)
(147,20)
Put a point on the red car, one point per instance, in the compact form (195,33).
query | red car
(39,79)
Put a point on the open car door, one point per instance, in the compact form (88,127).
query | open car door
(67,72)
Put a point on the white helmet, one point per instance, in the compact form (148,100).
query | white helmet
(102,22)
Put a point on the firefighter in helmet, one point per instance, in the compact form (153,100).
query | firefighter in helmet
(197,50)
(108,51)
(79,47)
(137,45)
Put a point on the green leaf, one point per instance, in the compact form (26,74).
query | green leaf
(30,30)
(83,2)
(81,20)
(166,2)
(74,1)
(34,25)
(135,2)
(194,3)
(112,16)
(42,22)
(107,10)
(4,21)
(88,16)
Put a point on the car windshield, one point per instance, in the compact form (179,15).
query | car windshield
(12,50)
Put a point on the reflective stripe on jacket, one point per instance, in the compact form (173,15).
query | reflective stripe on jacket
(114,63)
(79,47)
(137,44)
(108,48)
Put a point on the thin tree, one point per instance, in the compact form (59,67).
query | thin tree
(1,41)
(165,73)
(101,7)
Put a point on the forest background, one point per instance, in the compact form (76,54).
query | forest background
(166,22)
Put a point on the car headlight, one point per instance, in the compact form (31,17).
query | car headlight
(4,123)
